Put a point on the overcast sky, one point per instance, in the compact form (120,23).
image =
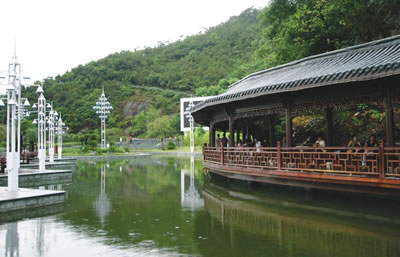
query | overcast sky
(54,36)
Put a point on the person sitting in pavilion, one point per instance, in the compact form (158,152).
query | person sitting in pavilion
(320,142)
(224,140)
(371,141)
(354,142)
(218,142)
(283,141)
(258,144)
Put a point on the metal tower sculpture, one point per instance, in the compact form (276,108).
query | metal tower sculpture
(103,108)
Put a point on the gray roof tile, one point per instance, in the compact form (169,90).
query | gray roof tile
(368,61)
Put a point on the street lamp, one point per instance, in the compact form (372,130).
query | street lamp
(103,108)
(60,125)
(41,123)
(188,114)
(15,113)
(50,121)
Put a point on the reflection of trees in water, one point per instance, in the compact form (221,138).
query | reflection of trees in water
(145,199)
(102,205)
(287,232)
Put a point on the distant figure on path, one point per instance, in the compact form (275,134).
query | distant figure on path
(130,139)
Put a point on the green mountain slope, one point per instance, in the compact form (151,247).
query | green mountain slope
(154,78)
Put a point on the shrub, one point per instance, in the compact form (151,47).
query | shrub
(99,150)
(171,146)
(92,144)
(116,149)
(83,149)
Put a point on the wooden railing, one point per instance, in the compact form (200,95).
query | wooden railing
(372,161)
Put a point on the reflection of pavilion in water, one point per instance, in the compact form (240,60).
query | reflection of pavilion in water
(102,205)
(330,232)
(190,197)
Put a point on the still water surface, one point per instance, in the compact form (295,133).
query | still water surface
(155,206)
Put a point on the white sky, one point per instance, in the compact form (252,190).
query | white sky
(54,36)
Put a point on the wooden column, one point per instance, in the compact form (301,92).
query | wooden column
(247,130)
(329,125)
(237,135)
(389,118)
(231,131)
(271,130)
(289,125)
(212,134)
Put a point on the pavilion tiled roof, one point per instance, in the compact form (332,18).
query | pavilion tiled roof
(372,60)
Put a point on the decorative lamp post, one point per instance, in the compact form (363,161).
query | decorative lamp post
(14,115)
(51,121)
(103,108)
(41,123)
(15,112)
(188,114)
(59,129)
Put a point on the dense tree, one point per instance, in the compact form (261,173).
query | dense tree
(295,29)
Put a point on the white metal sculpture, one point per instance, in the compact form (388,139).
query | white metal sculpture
(188,114)
(103,109)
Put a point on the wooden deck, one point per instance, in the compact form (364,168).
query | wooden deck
(371,170)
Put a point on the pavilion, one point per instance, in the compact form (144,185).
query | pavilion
(363,74)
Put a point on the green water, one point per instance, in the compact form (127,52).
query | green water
(138,208)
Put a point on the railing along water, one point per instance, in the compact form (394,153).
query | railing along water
(363,161)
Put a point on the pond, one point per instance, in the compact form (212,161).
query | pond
(165,206)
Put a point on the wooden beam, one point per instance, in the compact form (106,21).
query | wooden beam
(329,125)
(389,118)
(289,125)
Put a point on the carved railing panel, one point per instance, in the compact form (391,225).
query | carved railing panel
(392,161)
(212,154)
(370,162)
(251,157)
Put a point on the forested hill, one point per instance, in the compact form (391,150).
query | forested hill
(154,79)
(145,86)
